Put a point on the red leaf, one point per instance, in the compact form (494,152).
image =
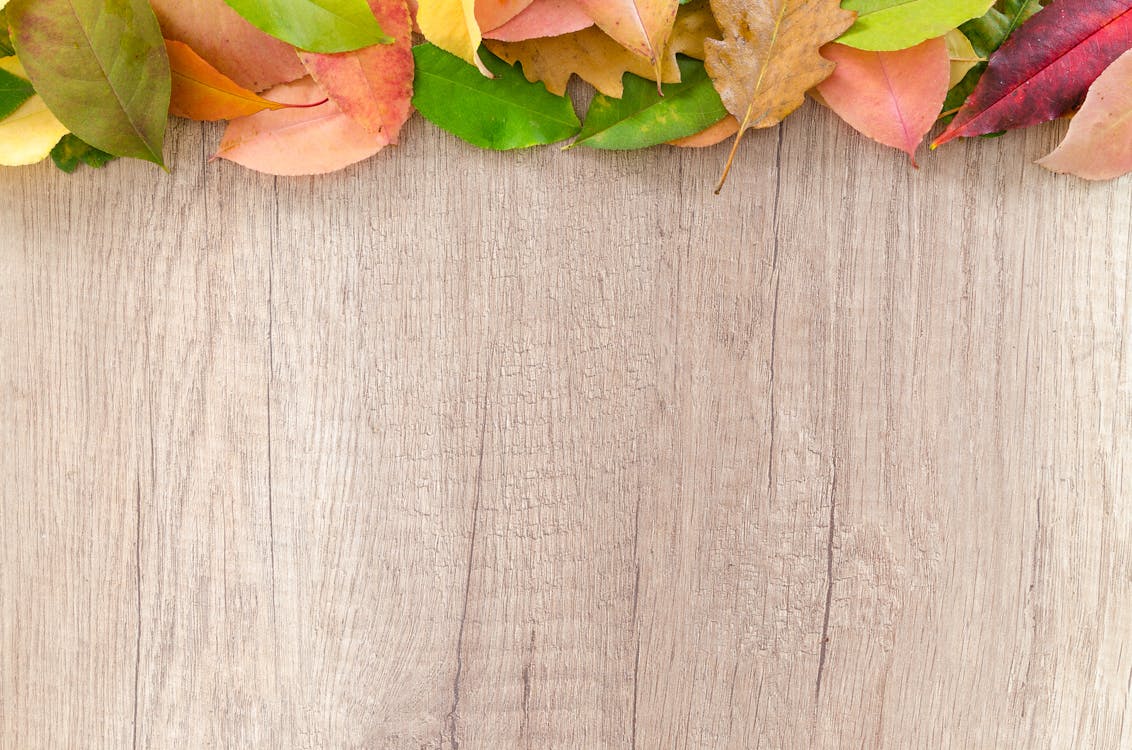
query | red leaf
(1045,68)
(374,86)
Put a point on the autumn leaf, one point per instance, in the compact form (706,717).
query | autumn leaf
(314,25)
(27,134)
(543,18)
(201,92)
(374,85)
(298,141)
(237,49)
(491,14)
(644,117)
(641,26)
(891,97)
(451,25)
(71,152)
(596,58)
(768,57)
(1098,145)
(1046,67)
(962,55)
(888,25)
(503,112)
(111,90)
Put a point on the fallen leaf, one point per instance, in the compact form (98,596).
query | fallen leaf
(112,90)
(644,117)
(314,25)
(892,97)
(71,152)
(768,57)
(491,14)
(451,25)
(372,85)
(888,25)
(962,55)
(1046,67)
(31,131)
(596,58)
(201,92)
(298,141)
(502,112)
(1098,145)
(237,49)
(543,18)
(641,26)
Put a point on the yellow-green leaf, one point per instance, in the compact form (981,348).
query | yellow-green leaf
(28,134)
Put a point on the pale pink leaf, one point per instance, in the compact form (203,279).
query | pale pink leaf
(233,46)
(1098,145)
(892,97)
(542,19)
(374,85)
(491,14)
(297,141)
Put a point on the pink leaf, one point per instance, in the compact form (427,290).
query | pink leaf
(308,141)
(233,46)
(543,18)
(374,85)
(892,97)
(491,14)
(1098,145)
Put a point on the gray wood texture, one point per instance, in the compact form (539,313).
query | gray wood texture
(466,450)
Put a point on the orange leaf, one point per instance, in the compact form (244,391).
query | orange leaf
(201,92)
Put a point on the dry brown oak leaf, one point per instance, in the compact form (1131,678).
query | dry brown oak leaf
(596,58)
(768,58)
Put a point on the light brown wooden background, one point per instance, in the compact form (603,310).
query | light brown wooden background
(467,450)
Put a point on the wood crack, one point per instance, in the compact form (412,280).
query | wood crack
(770,477)
(454,711)
(824,648)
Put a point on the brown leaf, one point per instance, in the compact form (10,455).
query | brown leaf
(600,61)
(768,57)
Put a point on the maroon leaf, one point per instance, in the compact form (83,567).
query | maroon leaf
(1046,67)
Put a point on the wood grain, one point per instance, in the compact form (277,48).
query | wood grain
(469,450)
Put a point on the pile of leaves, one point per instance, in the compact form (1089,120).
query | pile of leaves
(312,86)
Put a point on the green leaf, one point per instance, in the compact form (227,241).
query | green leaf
(643,118)
(14,91)
(70,152)
(315,25)
(100,66)
(500,113)
(898,24)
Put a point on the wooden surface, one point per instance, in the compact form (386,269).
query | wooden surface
(543,450)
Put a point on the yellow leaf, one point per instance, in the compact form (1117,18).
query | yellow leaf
(28,134)
(451,25)
(963,56)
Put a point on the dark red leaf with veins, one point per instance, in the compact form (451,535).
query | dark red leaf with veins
(1046,67)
